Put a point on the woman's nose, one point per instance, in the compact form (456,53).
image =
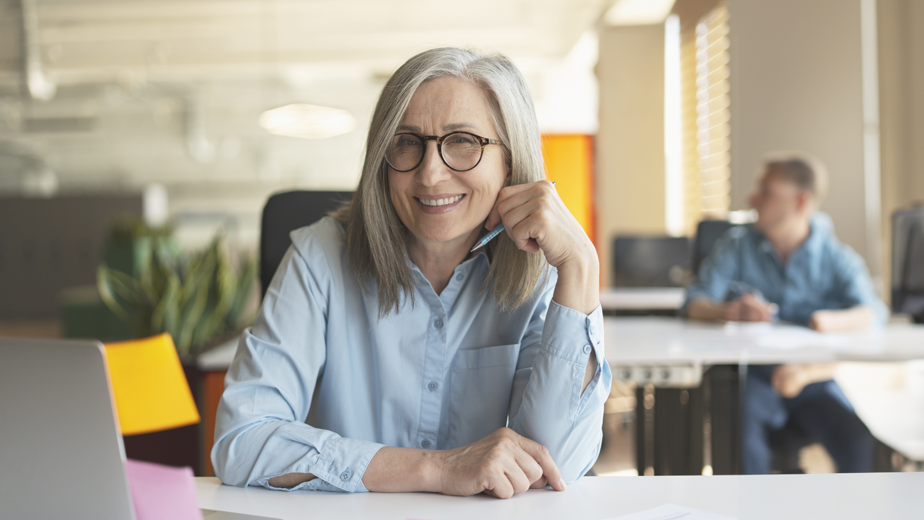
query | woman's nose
(432,169)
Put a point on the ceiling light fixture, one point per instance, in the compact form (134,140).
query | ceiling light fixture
(638,12)
(307,121)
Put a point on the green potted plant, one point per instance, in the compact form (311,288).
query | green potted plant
(197,299)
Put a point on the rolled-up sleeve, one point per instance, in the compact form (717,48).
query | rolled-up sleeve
(854,285)
(547,404)
(260,430)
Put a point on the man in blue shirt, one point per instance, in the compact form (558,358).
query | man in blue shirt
(789,266)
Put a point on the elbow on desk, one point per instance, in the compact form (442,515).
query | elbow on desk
(576,458)
(229,470)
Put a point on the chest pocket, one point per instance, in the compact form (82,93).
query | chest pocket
(480,384)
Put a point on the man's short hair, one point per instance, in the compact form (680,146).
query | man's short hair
(807,172)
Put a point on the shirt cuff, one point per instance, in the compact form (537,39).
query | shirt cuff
(572,335)
(340,466)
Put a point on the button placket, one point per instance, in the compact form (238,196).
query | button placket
(431,397)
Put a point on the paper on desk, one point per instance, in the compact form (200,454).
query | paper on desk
(160,492)
(783,336)
(671,512)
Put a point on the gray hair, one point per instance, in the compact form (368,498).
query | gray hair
(376,241)
(806,171)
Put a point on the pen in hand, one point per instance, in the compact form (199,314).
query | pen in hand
(483,241)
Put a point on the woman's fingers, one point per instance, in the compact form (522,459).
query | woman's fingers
(541,455)
(514,196)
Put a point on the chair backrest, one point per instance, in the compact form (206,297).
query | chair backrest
(708,232)
(908,262)
(285,212)
(149,386)
(650,261)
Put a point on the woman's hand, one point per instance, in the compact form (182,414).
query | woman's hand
(535,218)
(500,465)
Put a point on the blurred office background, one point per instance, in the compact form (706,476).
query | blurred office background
(192,113)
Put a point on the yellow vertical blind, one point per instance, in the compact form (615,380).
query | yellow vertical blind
(705,120)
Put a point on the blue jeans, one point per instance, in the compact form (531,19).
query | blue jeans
(822,411)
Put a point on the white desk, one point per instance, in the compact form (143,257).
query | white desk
(671,353)
(895,496)
(642,299)
(668,341)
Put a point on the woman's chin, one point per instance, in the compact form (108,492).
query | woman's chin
(444,236)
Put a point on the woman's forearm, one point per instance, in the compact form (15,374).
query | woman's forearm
(578,288)
(391,470)
(400,470)
(578,285)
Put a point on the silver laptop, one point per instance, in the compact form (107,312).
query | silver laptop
(61,453)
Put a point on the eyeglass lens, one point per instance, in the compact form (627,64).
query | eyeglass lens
(460,151)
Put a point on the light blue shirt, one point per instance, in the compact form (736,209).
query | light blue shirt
(821,273)
(441,374)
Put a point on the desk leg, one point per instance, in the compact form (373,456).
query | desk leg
(723,384)
(641,461)
(678,431)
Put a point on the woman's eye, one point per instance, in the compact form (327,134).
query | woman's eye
(462,139)
(409,142)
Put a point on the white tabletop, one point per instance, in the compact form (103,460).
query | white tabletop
(792,497)
(666,341)
(642,298)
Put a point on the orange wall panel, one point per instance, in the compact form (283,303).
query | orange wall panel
(569,163)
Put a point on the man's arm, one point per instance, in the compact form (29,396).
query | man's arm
(854,318)
(745,308)
(706,310)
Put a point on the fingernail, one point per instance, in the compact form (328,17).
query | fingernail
(561,484)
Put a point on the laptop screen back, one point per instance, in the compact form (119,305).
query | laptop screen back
(61,452)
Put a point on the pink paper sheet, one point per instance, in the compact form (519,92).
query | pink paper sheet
(162,492)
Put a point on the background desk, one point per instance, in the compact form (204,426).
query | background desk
(676,356)
(635,301)
(896,496)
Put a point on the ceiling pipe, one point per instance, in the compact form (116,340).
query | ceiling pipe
(34,80)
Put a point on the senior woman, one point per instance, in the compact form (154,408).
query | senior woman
(386,355)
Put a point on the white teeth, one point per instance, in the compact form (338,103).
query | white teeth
(441,202)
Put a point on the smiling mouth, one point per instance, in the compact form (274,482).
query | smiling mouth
(441,202)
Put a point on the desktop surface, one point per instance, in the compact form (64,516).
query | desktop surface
(772,497)
(666,341)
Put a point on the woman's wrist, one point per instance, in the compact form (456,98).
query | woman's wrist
(578,285)
(398,470)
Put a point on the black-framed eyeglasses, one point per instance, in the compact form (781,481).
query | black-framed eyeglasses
(460,151)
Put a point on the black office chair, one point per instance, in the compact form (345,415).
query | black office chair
(651,261)
(708,232)
(908,262)
(285,212)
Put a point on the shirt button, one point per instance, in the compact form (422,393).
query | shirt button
(433,385)
(590,329)
(587,349)
(460,277)
(346,475)
(438,323)
(425,444)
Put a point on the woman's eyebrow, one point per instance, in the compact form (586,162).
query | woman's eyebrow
(456,126)
(409,128)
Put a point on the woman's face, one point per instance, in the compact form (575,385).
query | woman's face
(436,203)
